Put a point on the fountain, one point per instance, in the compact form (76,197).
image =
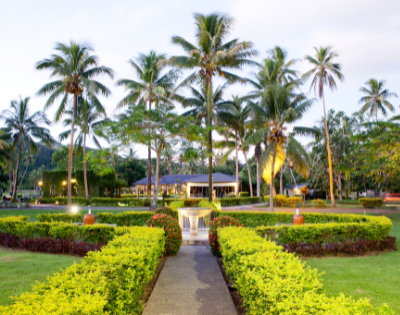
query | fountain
(194,219)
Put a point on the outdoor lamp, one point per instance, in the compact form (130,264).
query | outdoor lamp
(64,183)
(40,183)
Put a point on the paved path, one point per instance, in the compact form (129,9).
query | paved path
(191,283)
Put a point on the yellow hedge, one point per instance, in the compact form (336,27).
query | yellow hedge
(274,282)
(106,282)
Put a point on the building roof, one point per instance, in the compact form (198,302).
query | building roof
(294,186)
(188,178)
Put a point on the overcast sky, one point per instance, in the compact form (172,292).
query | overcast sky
(365,34)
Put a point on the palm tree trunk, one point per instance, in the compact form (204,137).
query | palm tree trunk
(71,150)
(281,182)
(271,185)
(329,156)
(248,170)
(169,167)
(237,166)
(340,186)
(84,169)
(15,179)
(258,177)
(149,167)
(209,146)
(23,175)
(157,180)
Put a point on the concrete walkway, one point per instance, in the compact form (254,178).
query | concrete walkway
(190,283)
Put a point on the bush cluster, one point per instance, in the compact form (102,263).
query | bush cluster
(80,201)
(168,211)
(127,218)
(229,202)
(173,232)
(371,202)
(244,194)
(318,203)
(271,281)
(60,217)
(216,224)
(117,202)
(283,200)
(107,282)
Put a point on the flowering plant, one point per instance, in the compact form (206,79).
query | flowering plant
(219,222)
(173,232)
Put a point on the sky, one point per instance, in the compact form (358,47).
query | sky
(365,34)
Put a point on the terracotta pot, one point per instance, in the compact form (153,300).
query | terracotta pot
(88,219)
(298,219)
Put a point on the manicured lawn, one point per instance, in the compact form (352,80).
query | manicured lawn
(20,270)
(33,213)
(375,277)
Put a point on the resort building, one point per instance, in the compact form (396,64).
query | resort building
(194,185)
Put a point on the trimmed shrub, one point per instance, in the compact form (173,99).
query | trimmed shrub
(271,281)
(9,224)
(193,202)
(293,201)
(107,282)
(173,232)
(80,201)
(217,223)
(278,200)
(128,218)
(371,202)
(244,194)
(318,203)
(228,202)
(60,217)
(167,211)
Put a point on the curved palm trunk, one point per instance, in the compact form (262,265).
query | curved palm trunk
(149,167)
(281,181)
(329,156)
(157,180)
(71,150)
(237,166)
(84,169)
(271,185)
(258,177)
(209,146)
(15,179)
(248,170)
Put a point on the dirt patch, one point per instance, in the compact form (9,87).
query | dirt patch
(150,286)
(236,297)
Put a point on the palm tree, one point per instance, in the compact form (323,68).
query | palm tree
(212,56)
(257,154)
(324,72)
(279,106)
(152,87)
(22,129)
(236,116)
(87,120)
(75,67)
(376,98)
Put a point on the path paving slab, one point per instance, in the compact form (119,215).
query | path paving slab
(190,283)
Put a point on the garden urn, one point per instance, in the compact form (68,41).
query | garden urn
(298,219)
(88,219)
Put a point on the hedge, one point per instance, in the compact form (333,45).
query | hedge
(371,202)
(128,218)
(108,282)
(60,217)
(80,201)
(173,232)
(117,202)
(271,281)
(228,202)
(244,194)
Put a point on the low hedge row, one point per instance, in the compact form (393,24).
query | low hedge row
(283,200)
(128,218)
(271,281)
(371,202)
(80,201)
(229,202)
(60,217)
(108,282)
(117,202)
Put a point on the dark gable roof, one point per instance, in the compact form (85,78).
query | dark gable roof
(188,178)
(293,186)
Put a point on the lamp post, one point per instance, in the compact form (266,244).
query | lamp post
(64,183)
(40,183)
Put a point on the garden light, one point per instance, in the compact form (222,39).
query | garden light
(74,209)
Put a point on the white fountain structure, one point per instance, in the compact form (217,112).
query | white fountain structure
(194,219)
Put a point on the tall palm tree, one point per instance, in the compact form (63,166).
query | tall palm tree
(280,106)
(323,72)
(22,129)
(257,154)
(75,69)
(152,87)
(212,56)
(87,120)
(236,116)
(376,98)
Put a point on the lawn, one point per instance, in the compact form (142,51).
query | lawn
(376,277)
(33,213)
(19,270)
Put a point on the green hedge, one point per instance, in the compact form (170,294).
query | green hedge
(229,202)
(271,281)
(60,217)
(244,194)
(371,202)
(117,202)
(80,201)
(128,218)
(108,282)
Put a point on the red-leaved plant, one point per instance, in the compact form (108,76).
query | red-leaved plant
(219,222)
(173,232)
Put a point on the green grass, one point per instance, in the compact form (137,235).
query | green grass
(374,277)
(20,270)
(33,213)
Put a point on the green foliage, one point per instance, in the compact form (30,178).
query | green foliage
(10,223)
(293,201)
(168,211)
(318,203)
(371,202)
(60,217)
(271,281)
(228,202)
(108,282)
(131,171)
(217,223)
(128,218)
(193,202)
(279,200)
(173,232)
(117,202)
(174,205)
(244,194)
